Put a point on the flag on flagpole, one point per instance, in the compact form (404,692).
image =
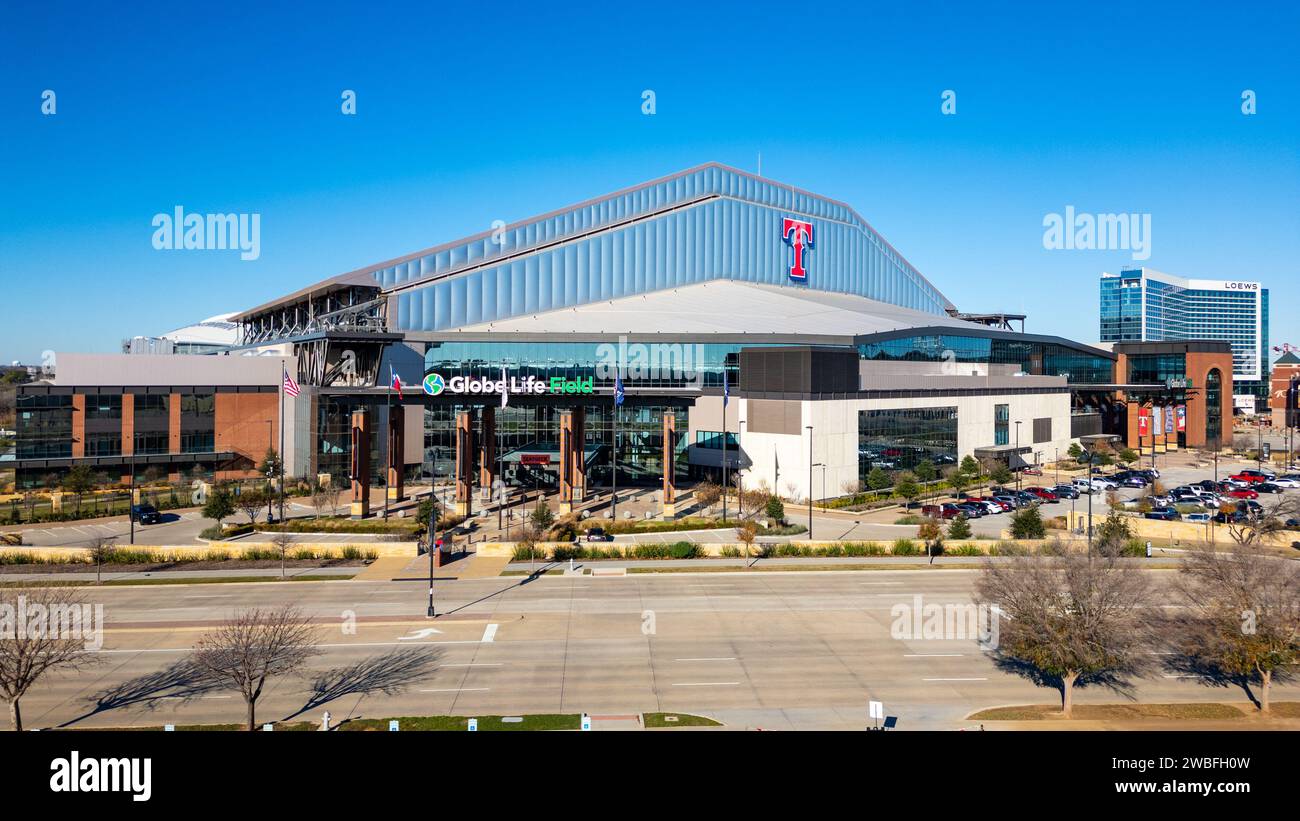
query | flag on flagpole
(618,389)
(395,383)
(505,388)
(726,389)
(290,386)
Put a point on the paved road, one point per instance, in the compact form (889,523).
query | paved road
(177,528)
(773,650)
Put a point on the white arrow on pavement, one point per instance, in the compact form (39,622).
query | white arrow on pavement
(420,634)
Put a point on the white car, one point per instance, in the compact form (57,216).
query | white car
(1287,483)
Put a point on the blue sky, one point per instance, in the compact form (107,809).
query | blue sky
(466,115)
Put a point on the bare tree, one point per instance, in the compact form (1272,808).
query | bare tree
(28,654)
(319,497)
(281,541)
(707,494)
(1241,620)
(100,549)
(1070,619)
(254,646)
(1259,528)
(251,503)
(746,534)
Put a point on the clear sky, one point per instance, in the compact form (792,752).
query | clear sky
(469,113)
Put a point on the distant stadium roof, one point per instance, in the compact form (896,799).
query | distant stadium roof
(215,330)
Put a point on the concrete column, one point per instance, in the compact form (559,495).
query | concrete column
(464,463)
(396,449)
(360,464)
(669,454)
(487,452)
(566,462)
(579,453)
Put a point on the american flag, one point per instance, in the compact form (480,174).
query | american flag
(290,387)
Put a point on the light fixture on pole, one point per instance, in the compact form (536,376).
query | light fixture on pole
(810,481)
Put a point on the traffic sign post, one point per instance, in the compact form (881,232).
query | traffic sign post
(876,711)
(473,725)
(586,722)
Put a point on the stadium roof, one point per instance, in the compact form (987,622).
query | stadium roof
(724,308)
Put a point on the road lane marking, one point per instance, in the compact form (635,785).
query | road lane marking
(423,633)
(489,633)
(326,646)
(954,679)
(705,683)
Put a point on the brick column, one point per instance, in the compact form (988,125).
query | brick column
(566,462)
(78,425)
(174,423)
(670,452)
(464,463)
(396,449)
(487,452)
(579,453)
(360,464)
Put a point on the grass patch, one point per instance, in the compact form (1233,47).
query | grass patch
(800,568)
(1200,711)
(163,581)
(540,721)
(656,720)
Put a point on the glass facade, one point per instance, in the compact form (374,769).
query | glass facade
(152,420)
(658,365)
(1156,368)
(198,423)
(1214,408)
(535,430)
(1001,424)
(903,438)
(44,426)
(1032,356)
(1144,306)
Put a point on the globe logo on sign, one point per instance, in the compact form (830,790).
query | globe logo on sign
(433,384)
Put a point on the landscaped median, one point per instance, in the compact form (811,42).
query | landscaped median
(563,551)
(1138,714)
(535,722)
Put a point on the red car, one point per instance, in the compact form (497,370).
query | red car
(1006,506)
(1243,493)
(1251,476)
(1042,493)
(947,510)
(1032,471)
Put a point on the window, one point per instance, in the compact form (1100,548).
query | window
(1001,424)
(713,440)
(903,438)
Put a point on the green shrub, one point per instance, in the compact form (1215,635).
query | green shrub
(565,552)
(863,549)
(730,552)
(1028,524)
(966,550)
(904,547)
(523,553)
(302,554)
(775,509)
(959,527)
(685,550)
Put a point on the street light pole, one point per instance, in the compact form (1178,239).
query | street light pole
(810,481)
(1018,454)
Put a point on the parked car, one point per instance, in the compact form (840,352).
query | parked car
(598,534)
(1167,514)
(1242,493)
(1043,494)
(1032,471)
(1197,517)
(1287,482)
(1066,491)
(947,510)
(992,502)
(1253,476)
(973,510)
(145,514)
(1235,517)
(1268,487)
(1011,502)
(1134,481)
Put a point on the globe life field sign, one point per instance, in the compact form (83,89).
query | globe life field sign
(435,384)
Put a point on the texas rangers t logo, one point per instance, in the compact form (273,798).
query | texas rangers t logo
(798,235)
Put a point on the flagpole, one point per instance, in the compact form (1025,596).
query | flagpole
(388,441)
(724,442)
(285,372)
(613,507)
